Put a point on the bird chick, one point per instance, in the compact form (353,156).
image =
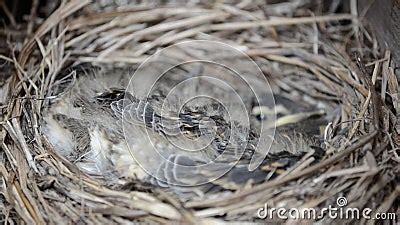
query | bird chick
(107,131)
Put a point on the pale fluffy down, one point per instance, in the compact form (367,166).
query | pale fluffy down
(58,136)
(105,154)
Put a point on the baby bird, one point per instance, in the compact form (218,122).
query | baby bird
(191,147)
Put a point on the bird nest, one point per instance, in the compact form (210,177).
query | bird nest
(310,51)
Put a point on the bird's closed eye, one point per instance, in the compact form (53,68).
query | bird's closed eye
(262,112)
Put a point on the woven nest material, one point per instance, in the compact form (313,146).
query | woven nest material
(305,49)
